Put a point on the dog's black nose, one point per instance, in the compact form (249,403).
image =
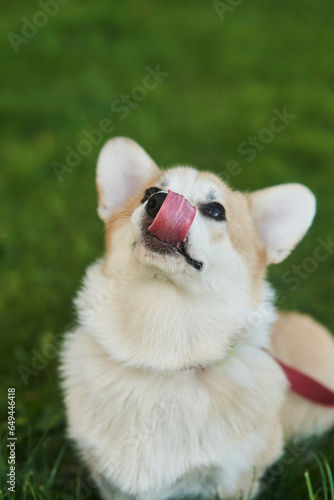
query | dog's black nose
(154,203)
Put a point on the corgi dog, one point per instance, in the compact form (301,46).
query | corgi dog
(171,383)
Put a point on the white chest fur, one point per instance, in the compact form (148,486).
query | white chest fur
(149,431)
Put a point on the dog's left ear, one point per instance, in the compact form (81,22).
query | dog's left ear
(282,215)
(123,167)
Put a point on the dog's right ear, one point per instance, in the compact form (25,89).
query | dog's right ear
(123,167)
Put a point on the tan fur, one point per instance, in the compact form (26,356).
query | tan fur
(122,216)
(244,237)
(241,228)
(303,343)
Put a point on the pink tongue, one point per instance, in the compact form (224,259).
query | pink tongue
(174,219)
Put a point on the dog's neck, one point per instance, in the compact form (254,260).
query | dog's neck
(154,324)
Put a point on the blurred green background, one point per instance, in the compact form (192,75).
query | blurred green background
(228,67)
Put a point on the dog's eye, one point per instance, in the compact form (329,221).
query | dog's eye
(149,192)
(213,210)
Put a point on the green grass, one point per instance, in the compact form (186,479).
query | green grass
(225,78)
(327,487)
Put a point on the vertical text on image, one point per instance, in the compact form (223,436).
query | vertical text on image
(11,440)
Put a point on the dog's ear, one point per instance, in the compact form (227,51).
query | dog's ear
(123,167)
(282,215)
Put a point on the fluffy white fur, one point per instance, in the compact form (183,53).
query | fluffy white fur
(148,427)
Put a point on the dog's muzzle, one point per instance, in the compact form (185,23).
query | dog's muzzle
(173,216)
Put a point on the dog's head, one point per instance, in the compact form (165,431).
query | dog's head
(183,224)
(188,230)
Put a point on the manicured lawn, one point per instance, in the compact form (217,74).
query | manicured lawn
(226,80)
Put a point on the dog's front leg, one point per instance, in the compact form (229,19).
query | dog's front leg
(260,451)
